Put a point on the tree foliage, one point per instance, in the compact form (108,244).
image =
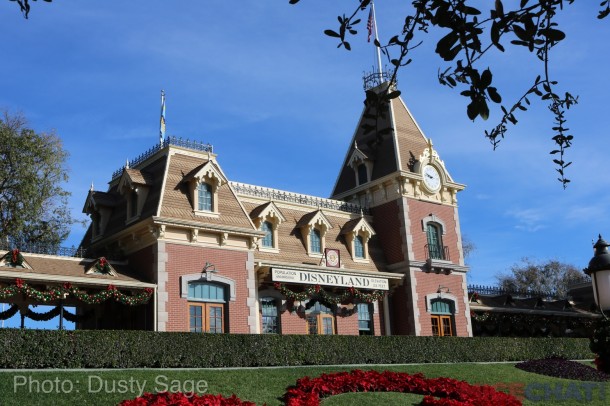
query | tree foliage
(33,205)
(469,34)
(551,277)
(24,5)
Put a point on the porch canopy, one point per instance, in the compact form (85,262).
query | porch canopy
(28,279)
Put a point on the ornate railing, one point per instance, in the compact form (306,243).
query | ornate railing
(280,195)
(375,79)
(171,140)
(34,248)
(517,293)
(437,252)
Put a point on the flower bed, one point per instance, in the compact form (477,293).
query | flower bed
(184,399)
(437,391)
(563,368)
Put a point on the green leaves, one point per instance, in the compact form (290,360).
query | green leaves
(33,205)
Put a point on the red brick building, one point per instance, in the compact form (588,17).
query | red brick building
(382,256)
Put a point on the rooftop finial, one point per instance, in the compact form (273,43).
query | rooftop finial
(127,164)
(91,189)
(355,144)
(162,122)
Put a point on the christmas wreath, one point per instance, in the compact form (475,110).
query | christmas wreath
(14,257)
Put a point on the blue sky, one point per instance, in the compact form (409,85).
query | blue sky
(279,102)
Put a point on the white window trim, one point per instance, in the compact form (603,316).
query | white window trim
(207,277)
(433,219)
(446,296)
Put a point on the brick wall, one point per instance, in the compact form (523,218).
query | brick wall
(386,222)
(400,306)
(420,209)
(427,284)
(187,260)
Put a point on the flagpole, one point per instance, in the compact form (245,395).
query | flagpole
(162,120)
(376,47)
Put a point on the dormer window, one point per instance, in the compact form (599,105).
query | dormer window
(204,182)
(267,240)
(267,218)
(134,186)
(357,234)
(361,164)
(313,229)
(204,197)
(99,207)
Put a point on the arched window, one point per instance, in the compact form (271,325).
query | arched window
(204,197)
(435,243)
(365,321)
(268,238)
(442,317)
(315,241)
(206,307)
(320,320)
(358,247)
(362,175)
(270,319)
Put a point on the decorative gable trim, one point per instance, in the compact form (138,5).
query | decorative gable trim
(14,259)
(208,173)
(267,212)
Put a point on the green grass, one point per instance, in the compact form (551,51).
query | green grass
(262,385)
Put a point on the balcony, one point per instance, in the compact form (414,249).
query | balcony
(436,252)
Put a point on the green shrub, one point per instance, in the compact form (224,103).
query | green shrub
(146,349)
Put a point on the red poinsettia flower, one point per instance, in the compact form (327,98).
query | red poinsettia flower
(277,285)
(14,255)
(317,288)
(111,287)
(67,285)
(148,291)
(103,261)
(19,283)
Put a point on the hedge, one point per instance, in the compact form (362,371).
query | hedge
(146,349)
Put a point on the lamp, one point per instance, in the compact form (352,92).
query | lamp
(208,268)
(599,270)
(440,290)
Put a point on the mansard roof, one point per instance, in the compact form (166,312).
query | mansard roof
(390,137)
(292,249)
(96,198)
(314,217)
(176,200)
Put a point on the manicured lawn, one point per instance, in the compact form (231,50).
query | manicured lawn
(109,387)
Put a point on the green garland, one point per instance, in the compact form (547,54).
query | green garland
(61,292)
(10,312)
(317,291)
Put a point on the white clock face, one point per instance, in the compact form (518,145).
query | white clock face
(432,179)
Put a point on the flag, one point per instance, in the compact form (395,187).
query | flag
(162,123)
(370,24)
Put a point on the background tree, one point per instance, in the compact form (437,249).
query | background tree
(550,277)
(33,205)
(467,36)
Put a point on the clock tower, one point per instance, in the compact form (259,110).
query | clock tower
(392,168)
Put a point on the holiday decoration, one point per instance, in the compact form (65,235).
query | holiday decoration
(62,292)
(14,257)
(10,312)
(185,399)
(317,291)
(102,266)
